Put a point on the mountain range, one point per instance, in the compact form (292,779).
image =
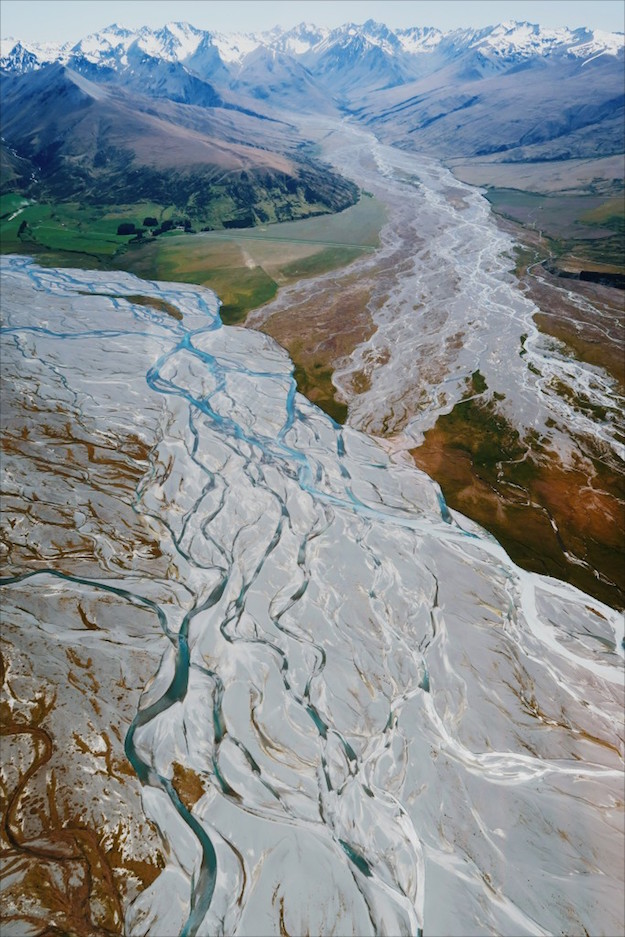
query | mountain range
(398,53)
(77,116)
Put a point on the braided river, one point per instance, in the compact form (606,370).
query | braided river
(346,710)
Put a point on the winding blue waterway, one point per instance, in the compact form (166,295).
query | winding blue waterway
(394,727)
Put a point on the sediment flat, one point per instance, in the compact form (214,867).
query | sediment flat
(257,678)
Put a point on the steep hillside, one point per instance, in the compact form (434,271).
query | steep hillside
(551,109)
(280,82)
(84,114)
(100,143)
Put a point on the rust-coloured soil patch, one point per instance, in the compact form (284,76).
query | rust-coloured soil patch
(188,785)
(319,330)
(152,302)
(540,510)
(322,323)
(155,303)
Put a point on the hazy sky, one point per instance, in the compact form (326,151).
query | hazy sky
(65,20)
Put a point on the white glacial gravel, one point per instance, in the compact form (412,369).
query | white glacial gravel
(395,729)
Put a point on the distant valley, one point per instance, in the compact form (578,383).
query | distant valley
(81,120)
(155,151)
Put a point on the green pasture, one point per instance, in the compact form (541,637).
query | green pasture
(245,267)
(11,202)
(64,227)
(590,227)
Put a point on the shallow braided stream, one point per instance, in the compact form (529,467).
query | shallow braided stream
(346,710)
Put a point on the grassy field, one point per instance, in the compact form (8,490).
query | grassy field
(10,203)
(68,227)
(583,230)
(220,266)
(245,267)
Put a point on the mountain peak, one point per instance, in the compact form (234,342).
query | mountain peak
(181,29)
(113,30)
(393,54)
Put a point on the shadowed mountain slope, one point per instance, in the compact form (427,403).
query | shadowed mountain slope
(199,103)
(99,143)
(539,111)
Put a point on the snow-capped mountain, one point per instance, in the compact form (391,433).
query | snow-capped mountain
(268,75)
(499,48)
(21,59)
(301,39)
(104,48)
(42,52)
(408,81)
(419,39)
(359,57)
(597,42)
(233,47)
(506,43)
(514,39)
